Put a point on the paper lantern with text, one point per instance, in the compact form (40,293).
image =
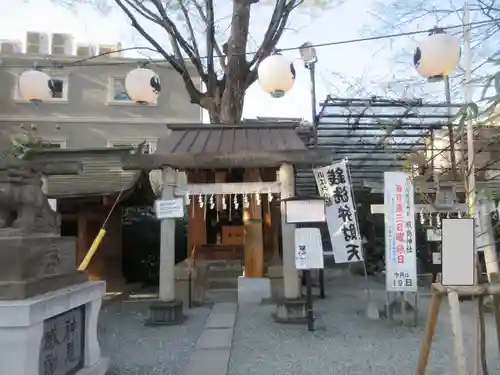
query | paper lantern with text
(35,86)
(143,86)
(276,75)
(437,55)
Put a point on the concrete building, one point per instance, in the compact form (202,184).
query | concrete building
(88,113)
(90,107)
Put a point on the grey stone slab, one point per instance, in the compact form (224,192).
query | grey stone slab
(225,307)
(221,320)
(217,338)
(213,362)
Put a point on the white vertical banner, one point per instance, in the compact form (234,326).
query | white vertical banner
(335,186)
(400,250)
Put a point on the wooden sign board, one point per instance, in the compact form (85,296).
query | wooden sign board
(233,235)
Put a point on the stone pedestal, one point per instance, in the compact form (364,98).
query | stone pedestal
(56,330)
(198,280)
(31,265)
(165,313)
(253,289)
(291,311)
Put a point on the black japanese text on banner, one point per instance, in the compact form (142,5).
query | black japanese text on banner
(400,251)
(335,186)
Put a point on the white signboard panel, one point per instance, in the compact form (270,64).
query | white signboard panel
(334,185)
(169,209)
(400,250)
(308,249)
(305,211)
(434,235)
(457,254)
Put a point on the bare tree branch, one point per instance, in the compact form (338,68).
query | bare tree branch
(195,95)
(218,50)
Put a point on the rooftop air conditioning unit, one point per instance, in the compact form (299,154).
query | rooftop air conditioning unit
(11,47)
(110,50)
(37,43)
(85,50)
(62,44)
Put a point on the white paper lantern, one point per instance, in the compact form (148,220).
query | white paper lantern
(276,75)
(35,86)
(143,86)
(437,55)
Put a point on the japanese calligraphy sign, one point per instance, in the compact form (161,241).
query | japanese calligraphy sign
(62,347)
(308,249)
(400,250)
(335,187)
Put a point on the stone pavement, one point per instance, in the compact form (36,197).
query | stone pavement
(227,340)
(346,342)
(138,350)
(213,349)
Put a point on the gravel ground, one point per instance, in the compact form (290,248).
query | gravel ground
(345,342)
(138,350)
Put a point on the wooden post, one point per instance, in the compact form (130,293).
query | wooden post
(495,278)
(457,329)
(271,222)
(453,293)
(254,241)
(196,226)
(430,329)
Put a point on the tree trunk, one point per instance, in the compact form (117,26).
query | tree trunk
(231,105)
(231,108)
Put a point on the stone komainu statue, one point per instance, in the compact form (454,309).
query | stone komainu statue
(23,205)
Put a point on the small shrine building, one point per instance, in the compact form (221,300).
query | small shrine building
(234,175)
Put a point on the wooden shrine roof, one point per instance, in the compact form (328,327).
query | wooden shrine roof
(222,139)
(212,146)
(101,174)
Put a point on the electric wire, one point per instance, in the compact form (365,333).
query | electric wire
(85,61)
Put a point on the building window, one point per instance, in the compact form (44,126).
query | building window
(117,95)
(149,147)
(58,88)
(117,90)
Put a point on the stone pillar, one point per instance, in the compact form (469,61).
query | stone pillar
(167,241)
(290,274)
(291,309)
(167,310)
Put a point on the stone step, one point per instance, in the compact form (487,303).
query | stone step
(224,273)
(221,295)
(222,283)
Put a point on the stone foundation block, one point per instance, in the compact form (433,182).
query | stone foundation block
(165,313)
(292,311)
(33,339)
(253,289)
